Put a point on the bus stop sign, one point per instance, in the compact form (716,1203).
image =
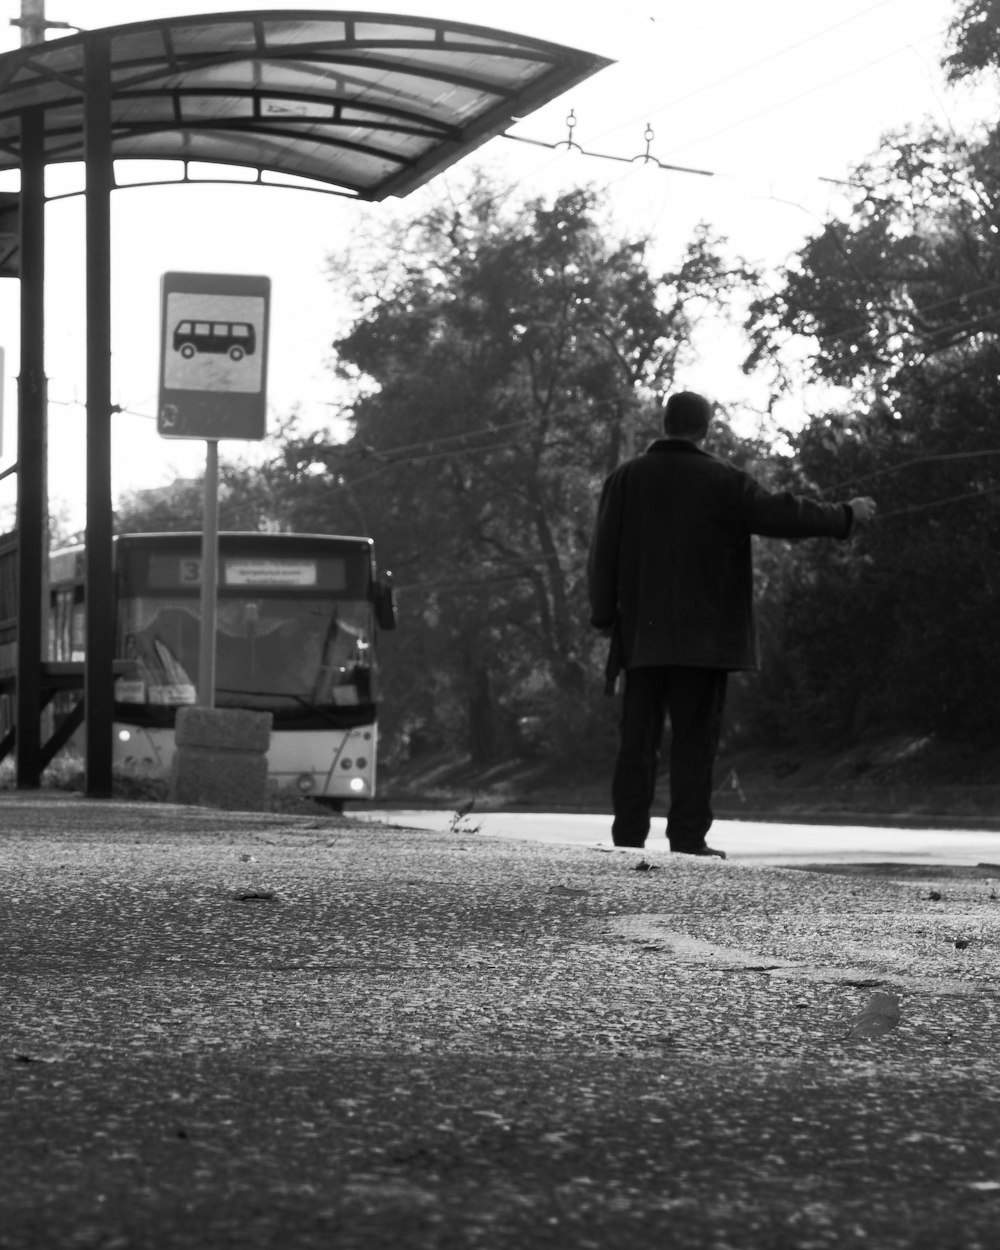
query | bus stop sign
(213,356)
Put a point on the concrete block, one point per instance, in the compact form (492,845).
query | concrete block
(228,729)
(221,759)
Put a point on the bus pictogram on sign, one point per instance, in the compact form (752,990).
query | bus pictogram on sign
(234,339)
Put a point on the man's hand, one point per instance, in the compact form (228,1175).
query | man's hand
(863,508)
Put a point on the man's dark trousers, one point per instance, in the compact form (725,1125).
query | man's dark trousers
(694,699)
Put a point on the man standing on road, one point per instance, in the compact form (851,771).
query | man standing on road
(671,583)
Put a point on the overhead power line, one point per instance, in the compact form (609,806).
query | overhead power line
(647,157)
(713,86)
(938,503)
(908,464)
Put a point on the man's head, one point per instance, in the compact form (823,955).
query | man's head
(687,415)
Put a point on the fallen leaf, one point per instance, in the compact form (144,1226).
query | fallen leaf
(878,1017)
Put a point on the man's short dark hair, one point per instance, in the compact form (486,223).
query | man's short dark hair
(687,415)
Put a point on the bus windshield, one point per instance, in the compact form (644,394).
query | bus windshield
(272,653)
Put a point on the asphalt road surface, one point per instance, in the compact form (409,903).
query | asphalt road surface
(748,842)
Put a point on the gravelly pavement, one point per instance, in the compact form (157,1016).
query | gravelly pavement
(233,1030)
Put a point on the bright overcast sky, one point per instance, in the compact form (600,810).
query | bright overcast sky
(775,98)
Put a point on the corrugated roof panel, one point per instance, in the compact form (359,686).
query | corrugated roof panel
(206,38)
(287,106)
(338,97)
(305,160)
(151,109)
(393,30)
(435,95)
(200,108)
(282,30)
(145,45)
(54,58)
(495,68)
(60,134)
(237,75)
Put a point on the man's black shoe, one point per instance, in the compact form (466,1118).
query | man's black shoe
(698,850)
(635,846)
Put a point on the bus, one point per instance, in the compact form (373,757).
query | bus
(296,635)
(234,339)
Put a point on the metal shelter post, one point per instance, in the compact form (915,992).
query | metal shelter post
(32,452)
(98,673)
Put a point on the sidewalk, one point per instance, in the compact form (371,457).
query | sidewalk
(233,1030)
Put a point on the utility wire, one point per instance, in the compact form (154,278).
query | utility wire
(920,310)
(938,503)
(907,464)
(430,444)
(512,570)
(424,459)
(715,84)
(829,82)
(570,143)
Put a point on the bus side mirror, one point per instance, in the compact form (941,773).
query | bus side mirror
(385,605)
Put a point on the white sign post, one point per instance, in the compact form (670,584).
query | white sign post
(213,385)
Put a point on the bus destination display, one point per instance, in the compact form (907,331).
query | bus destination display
(175,572)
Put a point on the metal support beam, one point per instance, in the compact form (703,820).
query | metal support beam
(32,454)
(100,619)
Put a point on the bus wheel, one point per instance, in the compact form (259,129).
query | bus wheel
(236,353)
(187,351)
(331,804)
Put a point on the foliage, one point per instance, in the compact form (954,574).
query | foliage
(909,277)
(975,35)
(507,355)
(245,503)
(900,300)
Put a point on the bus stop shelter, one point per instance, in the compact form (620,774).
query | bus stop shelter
(360,105)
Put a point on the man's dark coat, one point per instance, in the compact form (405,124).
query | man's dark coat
(671,564)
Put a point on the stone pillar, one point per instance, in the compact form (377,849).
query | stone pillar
(221,758)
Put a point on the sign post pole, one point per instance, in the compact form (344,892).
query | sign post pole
(209,576)
(213,385)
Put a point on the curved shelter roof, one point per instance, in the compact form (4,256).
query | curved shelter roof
(369,105)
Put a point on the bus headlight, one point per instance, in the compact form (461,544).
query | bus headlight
(124,735)
(357,784)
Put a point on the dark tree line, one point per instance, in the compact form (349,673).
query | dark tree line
(901,300)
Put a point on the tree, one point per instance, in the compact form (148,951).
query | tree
(246,502)
(506,356)
(975,36)
(901,300)
(910,276)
